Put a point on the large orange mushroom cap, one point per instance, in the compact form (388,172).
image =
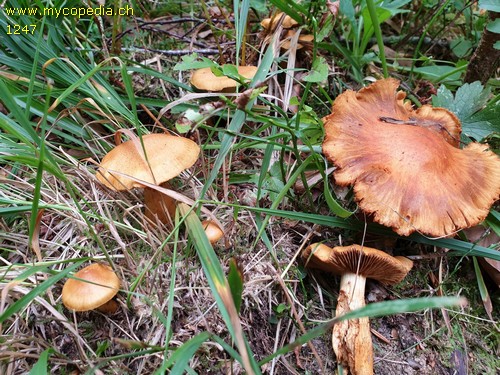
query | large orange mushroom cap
(167,156)
(405,165)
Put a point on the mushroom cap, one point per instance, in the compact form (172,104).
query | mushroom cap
(303,37)
(270,23)
(168,156)
(405,165)
(364,261)
(212,230)
(203,79)
(79,295)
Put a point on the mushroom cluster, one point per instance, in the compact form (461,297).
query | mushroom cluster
(405,165)
(290,25)
(351,339)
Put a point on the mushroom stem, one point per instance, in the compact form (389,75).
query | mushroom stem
(351,339)
(159,205)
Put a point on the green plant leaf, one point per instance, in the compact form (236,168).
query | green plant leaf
(219,286)
(319,71)
(493,221)
(39,289)
(40,367)
(491,5)
(192,61)
(485,296)
(494,26)
(372,310)
(182,355)
(235,280)
(478,121)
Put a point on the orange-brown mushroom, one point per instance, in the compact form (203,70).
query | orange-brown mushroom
(205,80)
(271,23)
(213,231)
(93,288)
(405,165)
(166,157)
(351,339)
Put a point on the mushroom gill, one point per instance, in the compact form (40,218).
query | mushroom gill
(405,165)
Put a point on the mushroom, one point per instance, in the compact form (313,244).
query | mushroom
(271,23)
(166,157)
(303,39)
(93,288)
(351,340)
(213,231)
(406,165)
(205,80)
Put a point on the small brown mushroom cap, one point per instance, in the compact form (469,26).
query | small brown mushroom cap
(167,155)
(102,286)
(271,23)
(404,164)
(365,261)
(204,80)
(212,230)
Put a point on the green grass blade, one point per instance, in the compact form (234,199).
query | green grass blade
(293,8)
(40,367)
(483,290)
(378,35)
(183,354)
(460,247)
(237,122)
(372,310)
(219,286)
(41,288)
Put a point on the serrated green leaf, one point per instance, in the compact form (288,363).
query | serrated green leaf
(443,97)
(483,123)
(469,98)
(478,122)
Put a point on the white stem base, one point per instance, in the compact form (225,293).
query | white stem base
(351,339)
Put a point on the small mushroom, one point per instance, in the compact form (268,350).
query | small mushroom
(303,39)
(98,285)
(406,166)
(271,23)
(213,231)
(205,80)
(166,157)
(351,340)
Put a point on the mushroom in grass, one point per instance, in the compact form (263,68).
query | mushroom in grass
(271,23)
(163,157)
(205,80)
(92,288)
(351,339)
(213,231)
(303,39)
(406,165)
